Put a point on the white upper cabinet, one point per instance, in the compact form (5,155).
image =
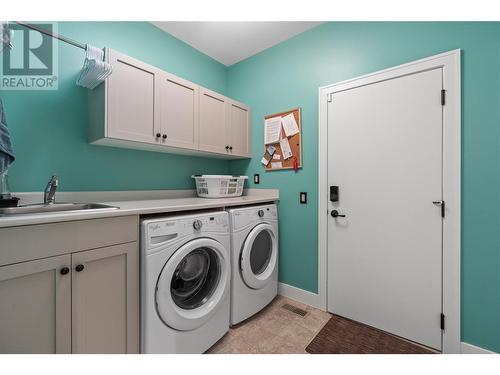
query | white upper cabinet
(224,125)
(213,119)
(238,129)
(142,107)
(179,112)
(132,97)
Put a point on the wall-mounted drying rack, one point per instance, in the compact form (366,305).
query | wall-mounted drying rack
(95,69)
(51,34)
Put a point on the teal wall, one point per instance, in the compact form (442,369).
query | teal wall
(289,74)
(49,128)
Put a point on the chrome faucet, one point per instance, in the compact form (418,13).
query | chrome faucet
(49,196)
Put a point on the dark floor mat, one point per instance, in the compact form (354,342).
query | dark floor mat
(344,336)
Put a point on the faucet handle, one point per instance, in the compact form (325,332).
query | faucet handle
(50,190)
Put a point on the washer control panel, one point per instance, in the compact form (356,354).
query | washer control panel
(166,229)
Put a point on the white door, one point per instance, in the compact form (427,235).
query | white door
(238,131)
(132,99)
(385,156)
(179,112)
(212,122)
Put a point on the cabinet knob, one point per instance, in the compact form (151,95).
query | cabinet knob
(79,268)
(227,148)
(158,135)
(230,148)
(164,136)
(64,271)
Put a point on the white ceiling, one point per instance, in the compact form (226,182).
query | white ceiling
(230,42)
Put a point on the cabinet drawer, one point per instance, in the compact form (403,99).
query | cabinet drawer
(20,244)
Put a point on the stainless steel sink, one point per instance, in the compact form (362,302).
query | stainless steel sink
(52,207)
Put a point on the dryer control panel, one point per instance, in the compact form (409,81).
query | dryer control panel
(252,215)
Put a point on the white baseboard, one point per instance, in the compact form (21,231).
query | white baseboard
(300,295)
(472,349)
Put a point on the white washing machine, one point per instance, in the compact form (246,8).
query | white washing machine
(185,282)
(254,259)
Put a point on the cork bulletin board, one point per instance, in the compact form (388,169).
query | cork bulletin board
(295,142)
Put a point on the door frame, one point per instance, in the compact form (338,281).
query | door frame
(450,63)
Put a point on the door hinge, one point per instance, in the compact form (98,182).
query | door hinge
(442,321)
(443,205)
(443,97)
(329,97)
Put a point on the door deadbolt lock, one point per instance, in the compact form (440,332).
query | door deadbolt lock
(334,193)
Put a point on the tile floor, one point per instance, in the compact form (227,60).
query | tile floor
(273,330)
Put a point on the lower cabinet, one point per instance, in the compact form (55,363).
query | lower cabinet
(83,302)
(35,306)
(105,300)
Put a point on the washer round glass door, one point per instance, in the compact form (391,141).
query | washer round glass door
(192,284)
(259,256)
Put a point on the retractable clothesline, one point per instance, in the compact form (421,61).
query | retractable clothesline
(53,35)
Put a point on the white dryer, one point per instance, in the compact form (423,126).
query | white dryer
(185,282)
(254,259)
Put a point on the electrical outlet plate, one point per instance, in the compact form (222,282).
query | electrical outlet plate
(256,179)
(303,197)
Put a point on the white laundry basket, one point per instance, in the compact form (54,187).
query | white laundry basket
(219,186)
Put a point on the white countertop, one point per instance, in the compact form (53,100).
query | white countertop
(172,202)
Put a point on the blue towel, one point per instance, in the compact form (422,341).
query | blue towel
(6,152)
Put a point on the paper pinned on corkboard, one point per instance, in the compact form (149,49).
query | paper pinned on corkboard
(288,148)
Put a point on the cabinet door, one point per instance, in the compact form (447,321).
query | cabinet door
(212,122)
(179,112)
(132,96)
(35,307)
(238,129)
(105,300)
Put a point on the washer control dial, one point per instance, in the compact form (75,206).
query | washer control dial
(261,213)
(197,224)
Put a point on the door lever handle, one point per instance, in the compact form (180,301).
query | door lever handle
(335,213)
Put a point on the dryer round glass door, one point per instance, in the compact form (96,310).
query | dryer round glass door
(259,256)
(192,284)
